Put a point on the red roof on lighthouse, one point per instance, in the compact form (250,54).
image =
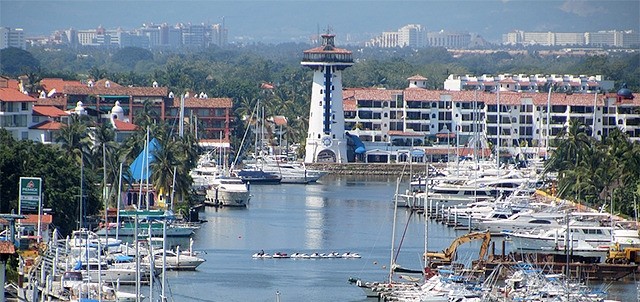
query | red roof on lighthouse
(328,46)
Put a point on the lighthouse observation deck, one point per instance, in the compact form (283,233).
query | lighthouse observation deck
(327,54)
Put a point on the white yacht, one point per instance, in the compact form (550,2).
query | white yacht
(522,221)
(228,191)
(583,236)
(177,260)
(289,171)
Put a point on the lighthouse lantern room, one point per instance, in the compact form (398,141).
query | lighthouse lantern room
(326,141)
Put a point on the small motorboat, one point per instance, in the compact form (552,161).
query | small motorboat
(332,255)
(351,255)
(280,255)
(261,255)
(315,255)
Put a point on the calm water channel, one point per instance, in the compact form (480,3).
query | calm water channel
(341,213)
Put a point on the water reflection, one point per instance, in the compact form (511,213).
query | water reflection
(314,222)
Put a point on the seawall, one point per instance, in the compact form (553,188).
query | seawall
(365,168)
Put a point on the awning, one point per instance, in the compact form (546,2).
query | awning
(417,153)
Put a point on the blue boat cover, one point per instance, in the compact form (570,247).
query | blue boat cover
(138,167)
(356,141)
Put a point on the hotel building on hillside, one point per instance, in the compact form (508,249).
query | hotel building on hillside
(440,123)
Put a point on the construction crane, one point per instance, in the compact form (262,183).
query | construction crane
(449,255)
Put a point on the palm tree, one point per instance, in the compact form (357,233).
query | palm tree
(571,143)
(73,137)
(105,152)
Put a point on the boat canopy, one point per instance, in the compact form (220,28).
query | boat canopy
(358,143)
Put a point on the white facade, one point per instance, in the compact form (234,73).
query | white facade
(516,121)
(615,38)
(530,83)
(326,141)
(12,37)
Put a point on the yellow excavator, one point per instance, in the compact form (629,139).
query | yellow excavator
(619,255)
(447,256)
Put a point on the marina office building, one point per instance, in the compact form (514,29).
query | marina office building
(515,112)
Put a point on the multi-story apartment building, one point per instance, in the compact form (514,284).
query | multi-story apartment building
(611,38)
(391,122)
(530,83)
(12,37)
(15,109)
(40,118)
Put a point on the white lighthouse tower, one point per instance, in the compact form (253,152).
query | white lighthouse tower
(326,141)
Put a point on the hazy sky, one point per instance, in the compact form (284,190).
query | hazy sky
(280,21)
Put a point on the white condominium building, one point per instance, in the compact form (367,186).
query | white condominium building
(521,122)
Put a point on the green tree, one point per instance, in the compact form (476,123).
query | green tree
(15,62)
(128,57)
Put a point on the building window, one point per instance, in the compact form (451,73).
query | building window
(24,106)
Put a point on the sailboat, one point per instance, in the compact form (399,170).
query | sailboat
(373,289)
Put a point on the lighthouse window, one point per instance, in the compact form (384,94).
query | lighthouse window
(333,87)
(318,135)
(320,103)
(321,91)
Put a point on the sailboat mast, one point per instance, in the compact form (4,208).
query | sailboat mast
(546,144)
(146,167)
(499,130)
(118,201)
(393,231)
(426,224)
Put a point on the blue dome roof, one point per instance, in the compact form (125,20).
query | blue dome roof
(625,93)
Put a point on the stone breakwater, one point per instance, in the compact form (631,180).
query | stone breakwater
(364,168)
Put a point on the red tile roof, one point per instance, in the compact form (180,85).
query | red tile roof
(279,120)
(47,125)
(33,219)
(14,95)
(321,49)
(49,111)
(7,248)
(116,90)
(511,98)
(194,102)
(103,83)
(349,104)
(58,84)
(124,126)
(373,94)
(417,77)
(60,102)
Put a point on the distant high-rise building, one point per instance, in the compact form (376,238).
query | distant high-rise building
(12,37)
(218,35)
(193,35)
(610,38)
(448,39)
(412,35)
(416,36)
